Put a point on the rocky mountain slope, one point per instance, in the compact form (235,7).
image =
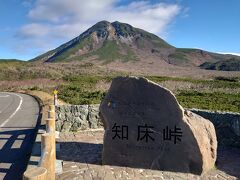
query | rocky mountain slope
(108,43)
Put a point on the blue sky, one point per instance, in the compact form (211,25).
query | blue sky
(31,27)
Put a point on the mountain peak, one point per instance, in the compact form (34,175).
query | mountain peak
(104,28)
(101,24)
(105,38)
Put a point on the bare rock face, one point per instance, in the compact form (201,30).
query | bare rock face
(145,127)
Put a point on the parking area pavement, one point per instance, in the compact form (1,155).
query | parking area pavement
(81,155)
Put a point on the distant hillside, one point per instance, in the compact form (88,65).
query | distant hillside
(9,63)
(107,42)
(223,65)
(10,60)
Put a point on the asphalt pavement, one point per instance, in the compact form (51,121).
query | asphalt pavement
(19,115)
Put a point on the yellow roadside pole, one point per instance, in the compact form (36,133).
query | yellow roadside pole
(55,92)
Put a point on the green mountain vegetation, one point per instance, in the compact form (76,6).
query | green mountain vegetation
(223,65)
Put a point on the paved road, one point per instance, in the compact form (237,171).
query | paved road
(18,119)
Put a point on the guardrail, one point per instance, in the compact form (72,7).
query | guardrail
(46,166)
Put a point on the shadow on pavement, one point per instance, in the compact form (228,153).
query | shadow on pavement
(15,149)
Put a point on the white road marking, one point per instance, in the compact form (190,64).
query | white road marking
(19,106)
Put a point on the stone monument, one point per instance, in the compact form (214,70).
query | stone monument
(145,127)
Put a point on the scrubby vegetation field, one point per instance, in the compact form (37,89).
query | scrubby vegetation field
(85,84)
(223,94)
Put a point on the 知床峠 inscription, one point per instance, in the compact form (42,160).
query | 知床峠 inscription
(146,132)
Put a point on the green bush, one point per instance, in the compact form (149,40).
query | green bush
(75,95)
(211,101)
(81,89)
(230,79)
(35,88)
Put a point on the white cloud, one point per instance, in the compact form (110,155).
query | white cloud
(232,53)
(66,19)
(70,10)
(34,30)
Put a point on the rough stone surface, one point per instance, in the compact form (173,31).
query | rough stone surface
(81,153)
(77,117)
(93,117)
(143,122)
